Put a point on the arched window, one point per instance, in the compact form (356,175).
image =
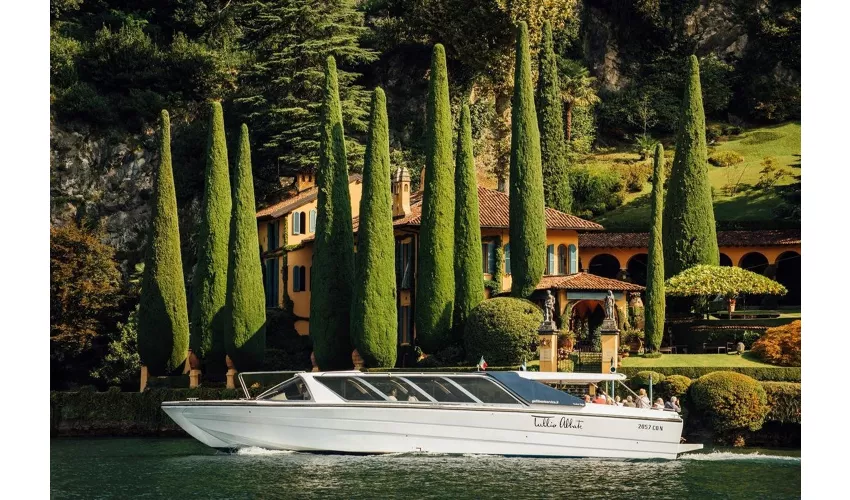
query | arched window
(562,259)
(573,255)
(312,221)
(508,258)
(296,222)
(550,259)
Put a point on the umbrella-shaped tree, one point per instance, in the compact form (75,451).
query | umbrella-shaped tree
(728,282)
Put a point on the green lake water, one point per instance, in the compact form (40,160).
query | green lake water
(182,468)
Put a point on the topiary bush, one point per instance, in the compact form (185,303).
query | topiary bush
(730,401)
(784,400)
(674,385)
(780,346)
(641,379)
(725,158)
(503,330)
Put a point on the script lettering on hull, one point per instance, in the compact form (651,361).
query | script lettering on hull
(557,423)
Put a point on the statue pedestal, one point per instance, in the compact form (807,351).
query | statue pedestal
(610,345)
(194,378)
(548,347)
(231,378)
(144,379)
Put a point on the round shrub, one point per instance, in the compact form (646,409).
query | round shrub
(780,345)
(675,385)
(641,379)
(503,330)
(730,401)
(725,158)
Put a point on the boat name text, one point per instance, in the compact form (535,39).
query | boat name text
(555,423)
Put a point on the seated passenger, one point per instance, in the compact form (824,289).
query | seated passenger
(599,399)
(673,404)
(659,404)
(618,402)
(587,399)
(629,402)
(392,395)
(643,399)
(412,399)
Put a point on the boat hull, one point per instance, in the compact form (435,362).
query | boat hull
(388,428)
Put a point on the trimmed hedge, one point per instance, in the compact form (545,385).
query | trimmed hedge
(675,385)
(730,401)
(502,330)
(641,378)
(784,400)
(777,374)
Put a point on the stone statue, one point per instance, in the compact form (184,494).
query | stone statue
(609,306)
(549,307)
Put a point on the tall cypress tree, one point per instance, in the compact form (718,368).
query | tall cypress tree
(333,255)
(373,308)
(654,310)
(469,287)
(689,233)
(163,321)
(209,284)
(527,218)
(553,152)
(245,333)
(435,287)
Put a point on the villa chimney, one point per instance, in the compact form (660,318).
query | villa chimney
(304,180)
(400,186)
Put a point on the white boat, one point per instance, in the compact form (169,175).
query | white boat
(499,413)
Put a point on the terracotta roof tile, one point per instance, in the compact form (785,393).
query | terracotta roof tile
(767,237)
(585,281)
(287,205)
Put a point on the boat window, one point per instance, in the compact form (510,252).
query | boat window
(485,390)
(397,389)
(350,389)
(440,389)
(293,389)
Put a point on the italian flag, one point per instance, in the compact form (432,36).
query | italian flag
(482,365)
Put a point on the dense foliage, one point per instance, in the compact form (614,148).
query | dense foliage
(527,210)
(688,231)
(333,254)
(642,379)
(768,373)
(209,282)
(655,299)
(85,296)
(730,401)
(469,290)
(781,345)
(675,385)
(245,330)
(373,307)
(435,286)
(784,400)
(721,280)
(502,330)
(163,335)
(553,147)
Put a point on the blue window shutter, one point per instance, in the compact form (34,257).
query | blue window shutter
(296,222)
(312,221)
(573,259)
(508,258)
(550,259)
(491,257)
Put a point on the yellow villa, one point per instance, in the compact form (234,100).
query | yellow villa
(286,233)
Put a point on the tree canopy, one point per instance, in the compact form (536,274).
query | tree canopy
(727,281)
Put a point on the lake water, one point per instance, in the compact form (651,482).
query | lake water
(182,468)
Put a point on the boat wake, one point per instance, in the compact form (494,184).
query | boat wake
(257,451)
(717,456)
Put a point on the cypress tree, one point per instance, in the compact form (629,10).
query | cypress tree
(527,218)
(689,234)
(209,283)
(245,333)
(654,309)
(435,285)
(333,255)
(469,287)
(373,309)
(163,322)
(556,185)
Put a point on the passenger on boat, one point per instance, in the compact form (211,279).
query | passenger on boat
(392,395)
(412,399)
(643,399)
(600,399)
(630,403)
(587,399)
(619,402)
(659,404)
(673,404)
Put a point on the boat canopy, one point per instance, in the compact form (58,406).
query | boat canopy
(570,377)
(532,391)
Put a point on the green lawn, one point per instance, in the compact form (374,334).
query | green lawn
(780,141)
(707,360)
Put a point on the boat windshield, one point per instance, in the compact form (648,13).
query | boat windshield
(485,390)
(293,389)
(535,392)
(440,389)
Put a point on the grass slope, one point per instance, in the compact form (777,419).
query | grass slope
(683,360)
(780,141)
